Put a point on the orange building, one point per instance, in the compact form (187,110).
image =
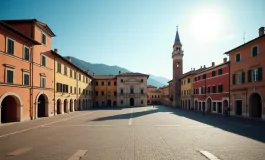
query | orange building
(165,95)
(25,51)
(153,95)
(247,85)
(105,90)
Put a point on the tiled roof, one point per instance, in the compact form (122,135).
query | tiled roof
(19,33)
(209,68)
(41,24)
(187,74)
(133,74)
(104,77)
(150,86)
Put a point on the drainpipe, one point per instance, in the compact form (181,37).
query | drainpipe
(31,84)
(54,84)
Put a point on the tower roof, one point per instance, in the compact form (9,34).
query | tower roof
(177,39)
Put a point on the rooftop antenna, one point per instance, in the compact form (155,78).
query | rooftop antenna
(244,37)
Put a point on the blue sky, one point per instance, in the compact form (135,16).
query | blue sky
(139,34)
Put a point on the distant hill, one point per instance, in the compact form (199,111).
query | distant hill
(106,70)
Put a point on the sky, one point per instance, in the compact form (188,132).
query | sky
(139,34)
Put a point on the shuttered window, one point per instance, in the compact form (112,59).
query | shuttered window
(213,89)
(10,76)
(43,39)
(26,53)
(10,46)
(255,51)
(238,57)
(59,65)
(220,71)
(209,89)
(213,73)
(220,88)
(26,79)
(43,82)
(43,60)
(188,80)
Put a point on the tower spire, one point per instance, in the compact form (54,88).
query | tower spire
(177,39)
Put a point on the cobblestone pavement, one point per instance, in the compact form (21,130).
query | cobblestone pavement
(143,133)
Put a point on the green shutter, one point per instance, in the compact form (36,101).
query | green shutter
(243,77)
(234,78)
(249,75)
(254,51)
(259,74)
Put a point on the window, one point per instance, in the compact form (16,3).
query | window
(121,101)
(59,67)
(142,101)
(43,82)
(79,77)
(26,53)
(204,76)
(121,91)
(10,48)
(131,90)
(75,75)
(9,76)
(199,78)
(142,91)
(142,80)
(188,80)
(102,93)
(115,93)
(254,51)
(209,89)
(238,57)
(65,70)
(213,89)
(256,75)
(152,96)
(102,83)
(155,96)
(71,90)
(96,93)
(108,83)
(195,79)
(43,60)
(71,73)
(75,90)
(86,80)
(220,88)
(65,88)
(79,90)
(121,80)
(239,78)
(220,71)
(83,78)
(26,78)
(184,92)
(158,96)
(213,73)
(43,39)
(115,83)
(96,83)
(59,87)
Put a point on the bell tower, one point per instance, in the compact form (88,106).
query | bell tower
(177,56)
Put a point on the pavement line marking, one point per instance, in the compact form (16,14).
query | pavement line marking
(130,121)
(209,155)
(18,152)
(169,125)
(24,130)
(78,155)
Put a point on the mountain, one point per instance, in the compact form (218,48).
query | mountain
(106,70)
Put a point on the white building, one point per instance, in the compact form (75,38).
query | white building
(132,89)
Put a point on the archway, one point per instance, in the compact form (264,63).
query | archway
(11,110)
(209,105)
(42,110)
(225,105)
(148,102)
(114,103)
(75,105)
(83,104)
(59,106)
(255,105)
(131,101)
(71,105)
(203,106)
(189,105)
(109,102)
(65,106)
(196,105)
(200,106)
(79,106)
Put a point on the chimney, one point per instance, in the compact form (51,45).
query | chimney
(119,72)
(87,71)
(69,58)
(212,64)
(261,31)
(225,60)
(55,50)
(204,66)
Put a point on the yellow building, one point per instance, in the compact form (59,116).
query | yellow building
(153,95)
(170,86)
(165,95)
(68,86)
(105,90)
(187,90)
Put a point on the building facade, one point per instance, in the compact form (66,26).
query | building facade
(154,95)
(165,95)
(211,88)
(187,90)
(132,89)
(105,90)
(247,85)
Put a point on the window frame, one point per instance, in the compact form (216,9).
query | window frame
(24,47)
(59,70)
(65,70)
(41,85)
(23,78)
(257,51)
(8,38)
(10,69)
(43,34)
(42,55)
(254,76)
(239,57)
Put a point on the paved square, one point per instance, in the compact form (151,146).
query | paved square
(142,133)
